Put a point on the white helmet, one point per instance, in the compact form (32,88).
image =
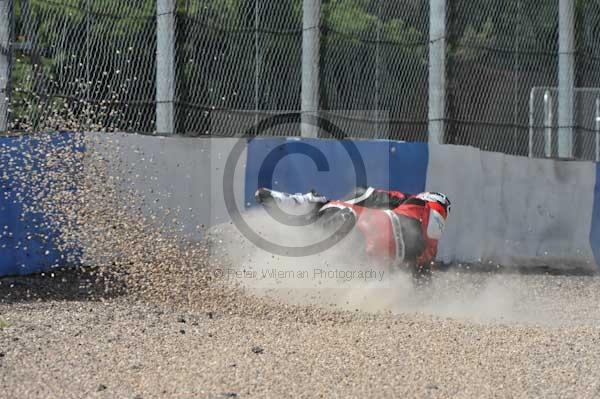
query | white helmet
(440,198)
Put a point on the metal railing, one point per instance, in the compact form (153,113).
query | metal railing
(544,125)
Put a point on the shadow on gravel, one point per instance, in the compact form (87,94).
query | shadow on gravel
(77,284)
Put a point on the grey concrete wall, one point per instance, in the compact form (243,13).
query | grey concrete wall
(513,210)
(174,173)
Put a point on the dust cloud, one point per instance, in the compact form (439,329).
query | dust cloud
(340,278)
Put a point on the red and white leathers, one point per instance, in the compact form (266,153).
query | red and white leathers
(398,227)
(395,227)
(432,216)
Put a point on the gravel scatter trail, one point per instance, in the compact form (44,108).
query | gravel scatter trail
(67,343)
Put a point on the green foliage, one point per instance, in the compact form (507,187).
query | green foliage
(350,17)
(216,46)
(409,40)
(474,40)
(58,36)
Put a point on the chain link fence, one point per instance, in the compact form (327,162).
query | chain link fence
(504,60)
(236,61)
(93,63)
(499,50)
(374,67)
(587,77)
(87,64)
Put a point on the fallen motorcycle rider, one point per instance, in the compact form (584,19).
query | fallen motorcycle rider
(395,228)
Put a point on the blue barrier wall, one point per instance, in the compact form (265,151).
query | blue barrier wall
(27,240)
(326,166)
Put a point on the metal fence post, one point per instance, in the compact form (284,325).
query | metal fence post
(548,119)
(531,120)
(5,34)
(378,71)
(165,66)
(437,70)
(310,65)
(257,63)
(566,77)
